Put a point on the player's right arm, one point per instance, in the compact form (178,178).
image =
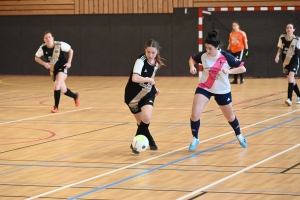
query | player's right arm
(192,63)
(41,62)
(195,59)
(277,55)
(279,51)
(37,58)
(137,71)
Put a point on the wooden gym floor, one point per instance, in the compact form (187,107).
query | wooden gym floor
(83,152)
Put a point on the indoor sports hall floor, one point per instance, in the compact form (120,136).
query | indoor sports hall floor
(83,152)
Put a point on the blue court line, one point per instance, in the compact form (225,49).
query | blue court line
(179,160)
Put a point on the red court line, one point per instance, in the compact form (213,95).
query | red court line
(52,134)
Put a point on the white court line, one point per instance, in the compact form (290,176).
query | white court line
(52,114)
(10,91)
(134,164)
(238,172)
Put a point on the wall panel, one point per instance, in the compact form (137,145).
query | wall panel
(125,44)
(104,45)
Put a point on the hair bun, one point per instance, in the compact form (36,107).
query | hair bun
(212,33)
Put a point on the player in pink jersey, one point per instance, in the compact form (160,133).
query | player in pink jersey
(217,65)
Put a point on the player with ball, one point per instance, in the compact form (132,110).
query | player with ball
(140,91)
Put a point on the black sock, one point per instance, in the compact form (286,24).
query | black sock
(242,76)
(235,76)
(290,90)
(236,126)
(296,90)
(56,97)
(195,128)
(143,129)
(69,93)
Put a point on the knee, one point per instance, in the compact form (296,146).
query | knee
(146,119)
(231,118)
(56,87)
(194,117)
(63,90)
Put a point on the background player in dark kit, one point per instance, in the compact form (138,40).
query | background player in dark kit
(58,66)
(289,45)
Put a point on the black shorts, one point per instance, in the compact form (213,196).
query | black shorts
(238,55)
(291,68)
(144,101)
(221,99)
(56,71)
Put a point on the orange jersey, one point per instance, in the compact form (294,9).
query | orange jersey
(237,41)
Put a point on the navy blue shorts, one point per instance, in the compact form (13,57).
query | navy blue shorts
(221,99)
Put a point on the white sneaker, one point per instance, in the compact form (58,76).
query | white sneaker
(242,140)
(298,100)
(194,144)
(288,102)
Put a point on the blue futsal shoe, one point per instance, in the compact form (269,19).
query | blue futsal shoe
(194,144)
(242,140)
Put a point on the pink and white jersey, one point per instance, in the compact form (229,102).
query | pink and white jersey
(213,79)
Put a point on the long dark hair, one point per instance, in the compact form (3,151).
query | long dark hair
(212,38)
(155,44)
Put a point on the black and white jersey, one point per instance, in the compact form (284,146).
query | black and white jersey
(134,92)
(285,46)
(48,52)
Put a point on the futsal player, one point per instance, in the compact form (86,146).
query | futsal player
(214,83)
(289,45)
(140,91)
(238,47)
(58,66)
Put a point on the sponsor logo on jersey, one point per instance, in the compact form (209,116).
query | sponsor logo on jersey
(145,85)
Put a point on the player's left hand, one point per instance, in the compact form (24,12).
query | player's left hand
(157,91)
(67,65)
(246,53)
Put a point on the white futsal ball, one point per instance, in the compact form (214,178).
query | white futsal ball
(140,143)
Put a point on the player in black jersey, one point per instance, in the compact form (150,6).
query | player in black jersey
(58,66)
(140,91)
(289,45)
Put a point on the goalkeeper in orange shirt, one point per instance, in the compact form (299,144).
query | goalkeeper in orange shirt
(238,47)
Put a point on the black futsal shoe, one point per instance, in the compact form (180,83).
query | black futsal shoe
(134,150)
(153,146)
